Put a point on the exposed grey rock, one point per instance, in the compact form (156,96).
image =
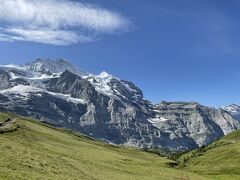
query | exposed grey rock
(202,124)
(4,79)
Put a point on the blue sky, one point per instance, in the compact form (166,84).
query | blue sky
(186,50)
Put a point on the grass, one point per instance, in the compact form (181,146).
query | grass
(220,160)
(39,151)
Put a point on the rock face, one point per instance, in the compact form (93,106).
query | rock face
(202,124)
(105,107)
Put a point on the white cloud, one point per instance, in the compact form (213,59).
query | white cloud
(57,22)
(54,37)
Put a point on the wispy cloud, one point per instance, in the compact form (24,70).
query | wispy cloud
(57,22)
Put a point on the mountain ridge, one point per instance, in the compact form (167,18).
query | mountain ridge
(106,107)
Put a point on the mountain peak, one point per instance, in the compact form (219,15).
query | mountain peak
(104,74)
(48,66)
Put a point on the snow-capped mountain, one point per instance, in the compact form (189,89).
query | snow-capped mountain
(106,107)
(233,110)
(41,69)
(34,73)
(50,67)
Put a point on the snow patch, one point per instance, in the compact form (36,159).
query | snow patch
(101,83)
(104,75)
(234,109)
(20,67)
(128,87)
(157,119)
(68,98)
(26,90)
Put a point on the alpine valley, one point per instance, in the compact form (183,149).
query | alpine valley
(108,108)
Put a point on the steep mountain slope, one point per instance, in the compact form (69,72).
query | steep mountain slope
(202,124)
(220,160)
(40,151)
(106,107)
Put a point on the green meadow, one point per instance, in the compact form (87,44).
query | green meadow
(220,160)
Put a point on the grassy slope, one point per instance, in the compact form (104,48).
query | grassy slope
(220,160)
(38,151)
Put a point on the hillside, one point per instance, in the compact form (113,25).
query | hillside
(220,160)
(39,151)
